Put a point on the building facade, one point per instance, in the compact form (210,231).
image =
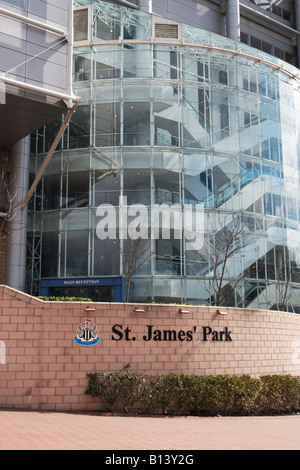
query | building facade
(187,131)
(36,43)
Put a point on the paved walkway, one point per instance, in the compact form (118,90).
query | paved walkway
(22,430)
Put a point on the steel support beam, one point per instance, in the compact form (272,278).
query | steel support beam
(49,155)
(43,91)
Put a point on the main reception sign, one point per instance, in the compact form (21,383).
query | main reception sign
(88,335)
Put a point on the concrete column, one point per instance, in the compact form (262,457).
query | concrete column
(297,20)
(145,5)
(233,19)
(17,226)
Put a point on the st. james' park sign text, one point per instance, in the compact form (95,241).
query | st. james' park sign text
(119,332)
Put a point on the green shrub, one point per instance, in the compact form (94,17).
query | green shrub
(279,394)
(174,394)
(117,391)
(64,299)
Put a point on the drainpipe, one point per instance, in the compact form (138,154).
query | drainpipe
(70,38)
(233,19)
(17,225)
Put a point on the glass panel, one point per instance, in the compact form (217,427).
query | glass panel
(166,116)
(166,185)
(271,142)
(166,62)
(107,187)
(50,245)
(192,34)
(135,258)
(77,161)
(74,239)
(136,158)
(167,160)
(78,135)
(78,190)
(137,186)
(167,290)
(112,22)
(197,179)
(249,125)
(222,68)
(51,132)
(106,257)
(107,125)
(107,62)
(195,65)
(52,185)
(196,292)
(107,22)
(137,61)
(224,121)
(136,123)
(168,257)
(196,117)
(141,290)
(76,242)
(136,24)
(82,65)
(50,254)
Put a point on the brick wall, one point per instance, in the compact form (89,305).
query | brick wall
(42,367)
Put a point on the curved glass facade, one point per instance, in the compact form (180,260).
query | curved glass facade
(199,122)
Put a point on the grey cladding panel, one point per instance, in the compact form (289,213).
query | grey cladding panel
(38,57)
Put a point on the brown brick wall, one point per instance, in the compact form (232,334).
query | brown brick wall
(44,368)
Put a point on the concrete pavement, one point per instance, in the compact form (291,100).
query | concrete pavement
(24,430)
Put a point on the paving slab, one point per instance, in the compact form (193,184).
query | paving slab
(22,430)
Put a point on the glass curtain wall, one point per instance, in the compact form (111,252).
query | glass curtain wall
(174,126)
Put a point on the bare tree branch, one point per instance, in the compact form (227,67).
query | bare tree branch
(132,259)
(224,241)
(283,282)
(6,198)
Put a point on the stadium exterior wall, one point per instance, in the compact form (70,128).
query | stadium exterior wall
(42,367)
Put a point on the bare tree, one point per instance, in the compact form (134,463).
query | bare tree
(133,257)
(223,246)
(283,278)
(6,198)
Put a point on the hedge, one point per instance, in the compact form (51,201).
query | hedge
(64,299)
(193,395)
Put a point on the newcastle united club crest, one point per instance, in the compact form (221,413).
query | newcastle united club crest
(87,335)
